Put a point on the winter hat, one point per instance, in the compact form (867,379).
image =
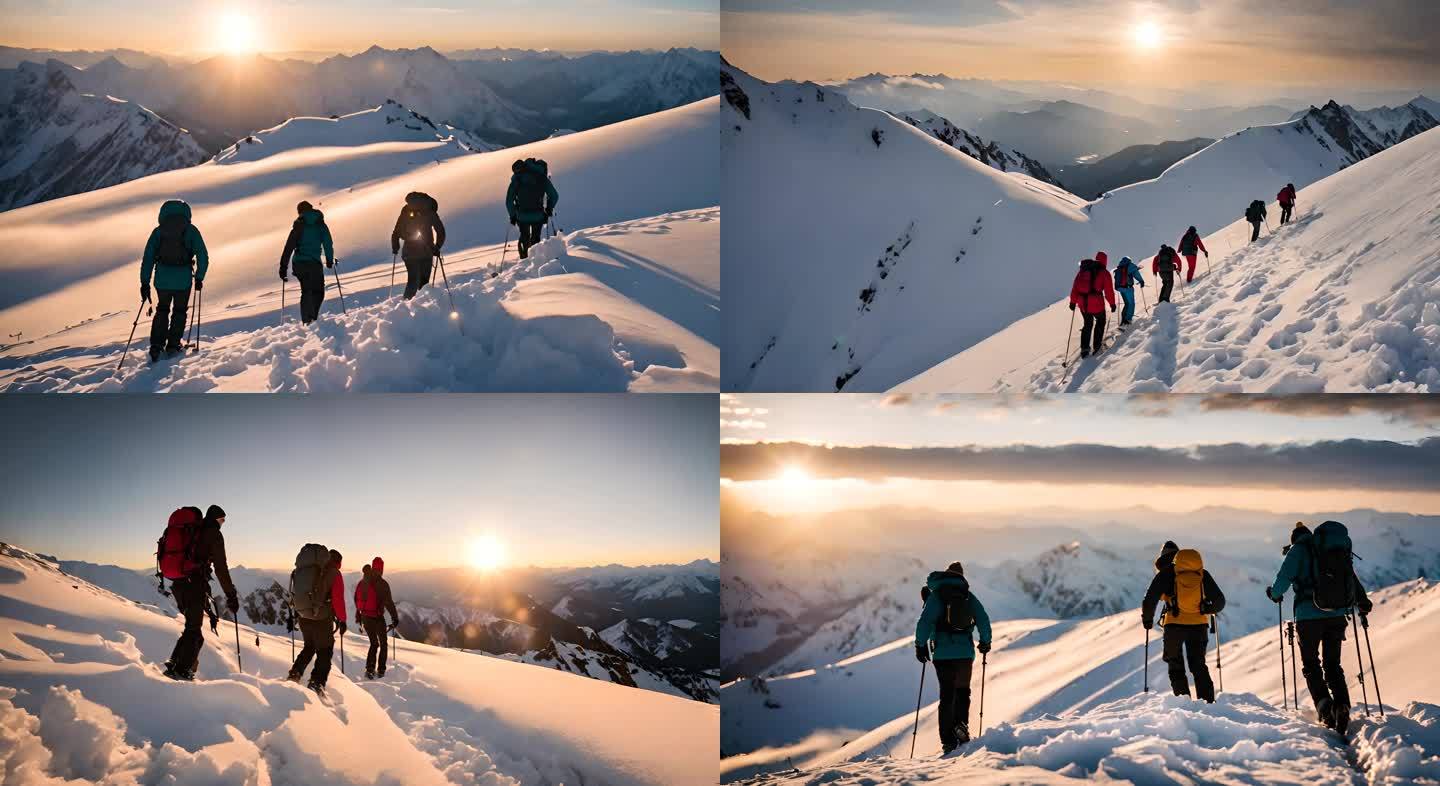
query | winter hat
(1300,529)
(303,208)
(378,565)
(1125,260)
(1101,257)
(365,569)
(956,568)
(517,166)
(1167,554)
(1192,230)
(214,513)
(335,556)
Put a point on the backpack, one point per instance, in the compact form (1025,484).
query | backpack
(172,250)
(1252,213)
(1189,581)
(1332,567)
(530,185)
(415,218)
(175,550)
(1122,278)
(1188,244)
(1168,259)
(309,596)
(367,599)
(1091,287)
(957,615)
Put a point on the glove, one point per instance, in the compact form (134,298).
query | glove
(983,646)
(1271,595)
(1142,284)
(284,277)
(331,263)
(1146,623)
(1112,309)
(1072,306)
(145,292)
(922,653)
(199,285)
(215,625)
(1207,254)
(1207,606)
(290,624)
(549,213)
(394,249)
(1366,605)
(393,625)
(512,221)
(342,627)
(232,603)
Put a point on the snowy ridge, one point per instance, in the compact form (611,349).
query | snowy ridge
(80,682)
(389,122)
(990,153)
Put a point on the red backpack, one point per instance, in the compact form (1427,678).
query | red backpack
(175,550)
(367,600)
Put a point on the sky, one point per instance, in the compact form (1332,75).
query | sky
(210,26)
(803,454)
(557,480)
(1173,44)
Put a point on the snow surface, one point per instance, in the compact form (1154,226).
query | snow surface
(80,686)
(389,122)
(627,298)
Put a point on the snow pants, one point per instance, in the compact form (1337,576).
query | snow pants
(1320,644)
(167,329)
(311,276)
(1167,283)
(529,236)
(954,678)
(1187,644)
(190,596)
(1190,273)
(320,645)
(1092,332)
(1285,213)
(1255,234)
(1128,312)
(417,275)
(379,642)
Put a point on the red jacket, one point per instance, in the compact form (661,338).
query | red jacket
(1091,300)
(337,596)
(1286,196)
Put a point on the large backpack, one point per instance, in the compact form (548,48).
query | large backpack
(172,250)
(309,594)
(956,615)
(530,185)
(367,599)
(1189,581)
(1332,567)
(175,550)
(1188,244)
(1252,213)
(415,219)
(1122,277)
(1168,259)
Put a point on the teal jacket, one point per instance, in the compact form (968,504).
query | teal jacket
(512,206)
(1296,571)
(175,276)
(309,238)
(949,646)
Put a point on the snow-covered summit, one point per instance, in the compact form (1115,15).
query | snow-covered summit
(388,122)
(1005,159)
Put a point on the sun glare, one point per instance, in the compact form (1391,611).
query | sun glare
(486,553)
(794,475)
(1147,35)
(236,33)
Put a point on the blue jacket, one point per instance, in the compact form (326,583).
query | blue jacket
(1134,273)
(1296,570)
(174,276)
(948,645)
(309,238)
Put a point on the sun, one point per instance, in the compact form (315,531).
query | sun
(486,553)
(235,33)
(793,475)
(1147,35)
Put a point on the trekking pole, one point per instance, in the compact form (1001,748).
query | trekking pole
(1215,628)
(503,251)
(1267,225)
(1144,300)
(1294,679)
(1147,660)
(342,652)
(455,315)
(1069,334)
(199,311)
(236,616)
(984,660)
(391,292)
(133,325)
(190,328)
(341,289)
(1360,663)
(1365,623)
(1284,688)
(918,698)
(284,285)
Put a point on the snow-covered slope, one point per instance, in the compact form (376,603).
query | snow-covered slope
(1343,299)
(628,299)
(82,697)
(56,141)
(389,122)
(992,154)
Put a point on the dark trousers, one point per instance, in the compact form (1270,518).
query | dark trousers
(167,329)
(311,276)
(379,642)
(1285,213)
(1092,332)
(1187,644)
(417,275)
(1255,235)
(1167,283)
(190,596)
(1320,644)
(954,679)
(319,644)
(529,236)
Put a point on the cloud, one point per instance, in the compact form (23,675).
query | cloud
(748,424)
(1352,464)
(1418,409)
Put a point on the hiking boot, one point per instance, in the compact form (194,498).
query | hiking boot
(1084,353)
(945,750)
(1341,716)
(1324,710)
(317,687)
(178,674)
(380,674)
(154,355)
(292,677)
(369,675)
(962,734)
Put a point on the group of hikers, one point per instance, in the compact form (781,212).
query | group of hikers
(176,259)
(1317,566)
(1094,287)
(192,546)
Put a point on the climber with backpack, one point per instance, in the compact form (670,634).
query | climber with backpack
(1286,198)
(1127,275)
(317,594)
(309,239)
(1165,265)
(943,635)
(1190,243)
(1320,565)
(530,200)
(1092,288)
(176,255)
(184,555)
(1191,597)
(1255,213)
(418,236)
(372,600)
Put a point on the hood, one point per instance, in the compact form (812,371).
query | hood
(312,217)
(943,578)
(174,207)
(421,201)
(1102,258)
(1125,261)
(378,566)
(1167,555)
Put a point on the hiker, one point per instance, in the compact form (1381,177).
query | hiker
(1165,265)
(317,593)
(943,635)
(1191,596)
(173,248)
(309,237)
(191,546)
(1091,289)
(1189,243)
(1255,214)
(530,200)
(1127,275)
(422,233)
(1320,567)
(1286,198)
(372,600)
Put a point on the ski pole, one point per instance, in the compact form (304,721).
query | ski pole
(1219,667)
(342,652)
(341,289)
(1360,663)
(455,315)
(391,293)
(1069,334)
(1267,225)
(984,661)
(918,698)
(1147,660)
(504,250)
(190,329)
(236,617)
(1284,688)
(199,311)
(284,285)
(1365,623)
(1294,679)
(1144,300)
(133,325)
